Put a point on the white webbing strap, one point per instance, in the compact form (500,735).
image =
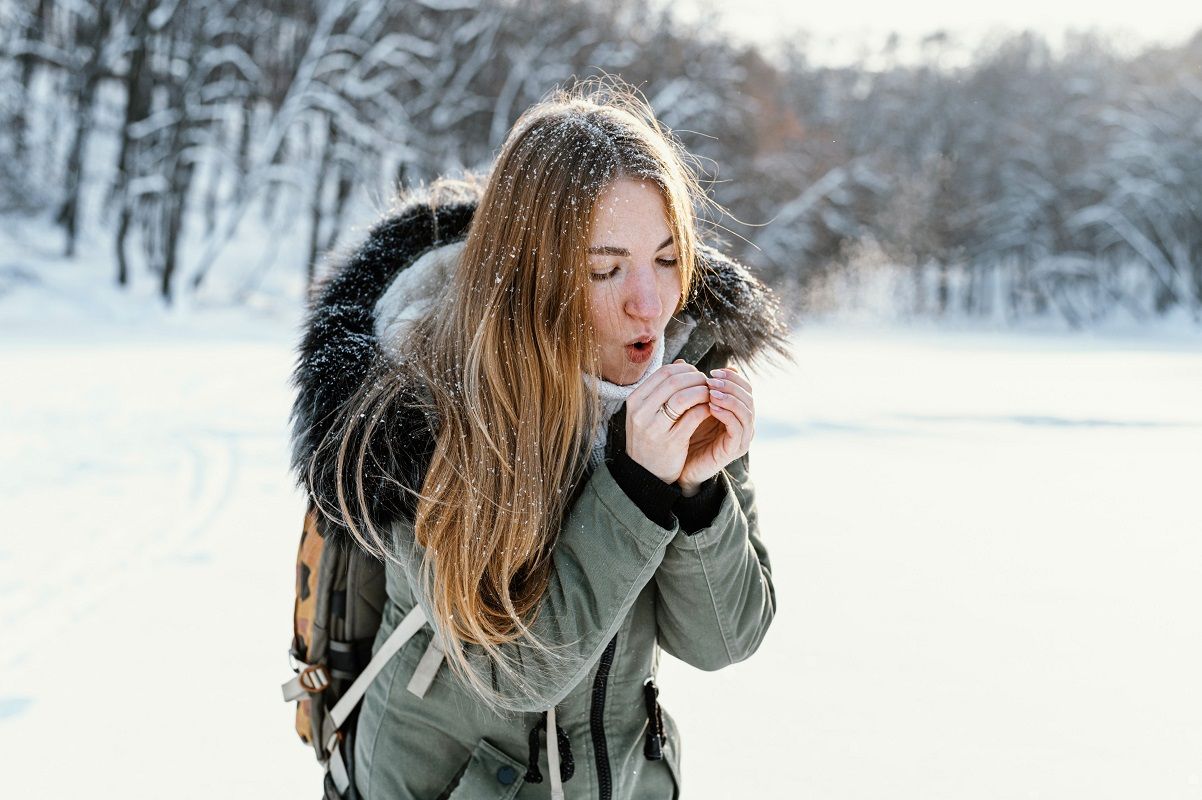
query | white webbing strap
(553,755)
(294,690)
(354,693)
(395,641)
(427,668)
(338,769)
(310,680)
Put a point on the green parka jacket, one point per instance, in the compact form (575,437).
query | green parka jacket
(622,586)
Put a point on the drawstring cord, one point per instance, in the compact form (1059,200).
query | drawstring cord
(653,749)
(567,766)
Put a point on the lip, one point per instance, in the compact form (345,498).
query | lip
(646,337)
(637,356)
(640,355)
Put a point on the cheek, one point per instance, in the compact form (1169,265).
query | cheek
(601,310)
(669,291)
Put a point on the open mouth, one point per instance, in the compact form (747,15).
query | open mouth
(640,349)
(642,343)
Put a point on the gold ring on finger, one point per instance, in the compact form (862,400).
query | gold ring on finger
(668,412)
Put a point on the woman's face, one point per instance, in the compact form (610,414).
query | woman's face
(634,276)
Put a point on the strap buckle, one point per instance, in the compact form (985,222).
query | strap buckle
(313,678)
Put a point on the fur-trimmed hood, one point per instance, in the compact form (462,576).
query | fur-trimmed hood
(372,294)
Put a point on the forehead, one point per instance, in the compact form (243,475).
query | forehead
(629,208)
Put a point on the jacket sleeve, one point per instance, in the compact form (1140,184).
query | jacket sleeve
(606,553)
(715,597)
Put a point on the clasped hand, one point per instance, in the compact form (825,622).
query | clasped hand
(715,425)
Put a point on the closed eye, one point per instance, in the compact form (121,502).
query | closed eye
(604,276)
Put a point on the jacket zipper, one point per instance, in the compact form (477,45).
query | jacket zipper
(597,720)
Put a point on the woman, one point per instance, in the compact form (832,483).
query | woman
(519,397)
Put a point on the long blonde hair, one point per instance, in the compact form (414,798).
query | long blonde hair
(500,360)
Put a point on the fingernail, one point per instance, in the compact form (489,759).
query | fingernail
(718,394)
(718,373)
(716,382)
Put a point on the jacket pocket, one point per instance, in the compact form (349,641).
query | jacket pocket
(489,773)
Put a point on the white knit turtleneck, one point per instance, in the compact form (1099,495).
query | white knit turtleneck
(614,395)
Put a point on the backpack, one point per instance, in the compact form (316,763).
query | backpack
(340,599)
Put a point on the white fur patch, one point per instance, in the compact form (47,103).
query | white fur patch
(412,292)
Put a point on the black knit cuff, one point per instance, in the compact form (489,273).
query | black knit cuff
(699,511)
(653,497)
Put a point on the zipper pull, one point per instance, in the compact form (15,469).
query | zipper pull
(653,748)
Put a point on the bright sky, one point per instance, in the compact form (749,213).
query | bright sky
(838,29)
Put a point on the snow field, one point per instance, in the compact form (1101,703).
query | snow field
(985,548)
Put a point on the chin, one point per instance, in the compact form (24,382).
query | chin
(632,374)
(622,376)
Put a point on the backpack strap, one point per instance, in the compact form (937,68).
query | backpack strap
(427,668)
(331,732)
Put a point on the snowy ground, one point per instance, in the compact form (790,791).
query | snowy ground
(987,550)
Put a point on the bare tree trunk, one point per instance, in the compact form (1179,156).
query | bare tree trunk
(138,86)
(248,115)
(68,215)
(345,185)
(942,287)
(179,167)
(315,206)
(123,221)
(919,288)
(33,33)
(181,180)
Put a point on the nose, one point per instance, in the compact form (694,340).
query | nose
(642,299)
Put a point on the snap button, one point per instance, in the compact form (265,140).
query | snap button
(507,774)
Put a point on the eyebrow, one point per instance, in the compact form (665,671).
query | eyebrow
(610,250)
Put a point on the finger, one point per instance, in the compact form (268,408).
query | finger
(730,387)
(741,412)
(732,374)
(684,399)
(680,403)
(687,425)
(658,377)
(651,402)
(732,402)
(733,441)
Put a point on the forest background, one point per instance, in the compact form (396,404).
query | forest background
(1023,181)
